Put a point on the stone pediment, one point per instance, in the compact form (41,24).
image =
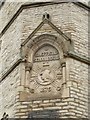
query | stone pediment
(45,62)
(47,31)
(46,21)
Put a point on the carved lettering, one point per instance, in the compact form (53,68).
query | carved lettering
(46,73)
(47,89)
(47,54)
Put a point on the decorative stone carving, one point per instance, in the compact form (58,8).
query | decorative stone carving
(46,73)
(46,77)
(45,67)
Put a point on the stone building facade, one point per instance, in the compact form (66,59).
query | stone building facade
(44,59)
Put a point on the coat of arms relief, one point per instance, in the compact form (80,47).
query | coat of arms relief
(46,74)
(45,67)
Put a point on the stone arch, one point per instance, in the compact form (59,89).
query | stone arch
(42,40)
(45,75)
(46,47)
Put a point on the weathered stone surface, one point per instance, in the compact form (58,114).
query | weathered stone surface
(8,92)
(44,65)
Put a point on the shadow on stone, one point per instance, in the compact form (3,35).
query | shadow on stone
(45,114)
(89,65)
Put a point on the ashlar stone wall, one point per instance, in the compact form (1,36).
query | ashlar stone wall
(66,31)
(9,93)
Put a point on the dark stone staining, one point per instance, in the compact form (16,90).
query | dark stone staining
(2,3)
(45,114)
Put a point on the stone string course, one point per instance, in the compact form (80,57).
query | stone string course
(9,93)
(69,18)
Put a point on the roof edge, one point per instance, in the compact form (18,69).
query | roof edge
(37,4)
(80,4)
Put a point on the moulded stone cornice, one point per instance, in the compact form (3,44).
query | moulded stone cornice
(70,54)
(79,57)
(46,21)
(10,70)
(37,4)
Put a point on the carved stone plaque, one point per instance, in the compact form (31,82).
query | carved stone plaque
(46,74)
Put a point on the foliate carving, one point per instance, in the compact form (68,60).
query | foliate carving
(46,73)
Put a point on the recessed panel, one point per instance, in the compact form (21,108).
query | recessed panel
(46,75)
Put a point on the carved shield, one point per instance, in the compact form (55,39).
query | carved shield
(46,74)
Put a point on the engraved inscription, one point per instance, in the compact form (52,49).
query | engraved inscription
(47,89)
(46,73)
(47,54)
